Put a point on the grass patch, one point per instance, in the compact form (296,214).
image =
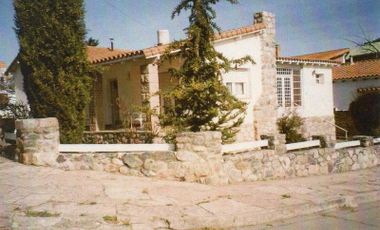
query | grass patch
(285,196)
(31,213)
(110,219)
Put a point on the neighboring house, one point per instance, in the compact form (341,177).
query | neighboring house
(302,85)
(2,71)
(358,73)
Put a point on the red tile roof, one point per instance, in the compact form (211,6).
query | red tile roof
(293,59)
(2,64)
(368,90)
(362,69)
(97,55)
(325,55)
(100,54)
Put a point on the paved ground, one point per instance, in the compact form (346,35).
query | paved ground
(46,198)
(366,216)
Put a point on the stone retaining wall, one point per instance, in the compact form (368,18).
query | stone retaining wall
(266,164)
(37,141)
(198,159)
(319,126)
(117,137)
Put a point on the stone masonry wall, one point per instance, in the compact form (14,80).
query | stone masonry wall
(198,159)
(37,141)
(117,137)
(319,126)
(266,107)
(266,164)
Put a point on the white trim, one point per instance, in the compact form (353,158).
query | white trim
(73,148)
(244,146)
(302,145)
(341,145)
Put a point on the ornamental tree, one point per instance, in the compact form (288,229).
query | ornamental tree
(200,101)
(53,61)
(365,113)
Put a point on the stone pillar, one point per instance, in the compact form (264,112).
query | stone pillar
(201,153)
(149,80)
(98,103)
(37,141)
(265,111)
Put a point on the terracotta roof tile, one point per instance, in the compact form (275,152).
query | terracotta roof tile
(325,55)
(362,69)
(306,60)
(97,55)
(157,50)
(368,90)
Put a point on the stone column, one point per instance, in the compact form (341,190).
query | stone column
(38,141)
(201,154)
(149,80)
(265,111)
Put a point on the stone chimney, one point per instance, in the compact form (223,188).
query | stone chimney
(266,106)
(163,37)
(278,50)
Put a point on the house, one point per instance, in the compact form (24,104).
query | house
(2,71)
(358,73)
(271,87)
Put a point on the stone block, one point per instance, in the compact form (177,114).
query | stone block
(132,161)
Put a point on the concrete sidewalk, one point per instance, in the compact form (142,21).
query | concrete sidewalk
(46,198)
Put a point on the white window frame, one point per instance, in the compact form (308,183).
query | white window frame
(234,88)
(284,74)
(235,77)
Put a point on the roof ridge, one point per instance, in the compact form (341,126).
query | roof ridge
(321,52)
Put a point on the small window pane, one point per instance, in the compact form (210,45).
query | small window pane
(279,91)
(288,92)
(239,88)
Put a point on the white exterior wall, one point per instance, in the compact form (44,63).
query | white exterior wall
(237,48)
(346,91)
(19,86)
(317,99)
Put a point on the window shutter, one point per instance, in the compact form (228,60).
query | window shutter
(297,87)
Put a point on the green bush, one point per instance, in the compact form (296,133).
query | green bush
(290,125)
(365,113)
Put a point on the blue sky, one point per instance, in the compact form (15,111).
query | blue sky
(303,26)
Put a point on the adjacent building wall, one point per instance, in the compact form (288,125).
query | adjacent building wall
(316,101)
(346,91)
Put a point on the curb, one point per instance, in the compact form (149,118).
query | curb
(252,219)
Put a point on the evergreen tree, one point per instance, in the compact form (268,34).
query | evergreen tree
(200,100)
(53,61)
(92,42)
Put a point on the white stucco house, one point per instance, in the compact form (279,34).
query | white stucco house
(357,74)
(271,87)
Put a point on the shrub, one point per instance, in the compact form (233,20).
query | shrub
(289,124)
(365,113)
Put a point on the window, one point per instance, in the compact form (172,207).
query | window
(236,88)
(288,87)
(319,78)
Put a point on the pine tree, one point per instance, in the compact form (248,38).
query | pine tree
(200,100)
(53,61)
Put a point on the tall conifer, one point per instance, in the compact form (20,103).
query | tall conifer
(200,100)
(53,61)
